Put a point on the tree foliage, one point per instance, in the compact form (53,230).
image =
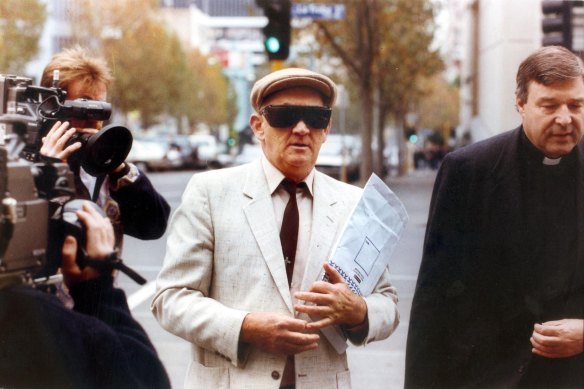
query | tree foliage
(209,92)
(406,60)
(154,74)
(384,47)
(439,107)
(21,24)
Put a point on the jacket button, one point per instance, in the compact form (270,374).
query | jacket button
(275,375)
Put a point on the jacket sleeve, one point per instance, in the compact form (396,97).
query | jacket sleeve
(124,355)
(433,354)
(143,210)
(183,304)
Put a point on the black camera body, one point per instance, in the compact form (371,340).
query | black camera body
(35,191)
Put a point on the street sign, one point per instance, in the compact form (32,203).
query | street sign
(319,11)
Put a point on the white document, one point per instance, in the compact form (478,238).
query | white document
(366,244)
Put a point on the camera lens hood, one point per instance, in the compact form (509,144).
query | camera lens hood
(106,150)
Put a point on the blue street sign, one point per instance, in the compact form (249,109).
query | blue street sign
(319,11)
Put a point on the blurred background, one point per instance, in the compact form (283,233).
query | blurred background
(417,77)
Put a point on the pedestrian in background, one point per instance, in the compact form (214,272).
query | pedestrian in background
(241,273)
(499,301)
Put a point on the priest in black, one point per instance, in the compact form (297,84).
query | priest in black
(499,301)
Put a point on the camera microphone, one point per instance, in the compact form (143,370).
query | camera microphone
(85,109)
(55,78)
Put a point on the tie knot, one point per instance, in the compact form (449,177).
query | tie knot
(290,186)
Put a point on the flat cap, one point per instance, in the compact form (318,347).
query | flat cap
(292,78)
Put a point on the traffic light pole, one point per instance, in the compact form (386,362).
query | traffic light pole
(276,64)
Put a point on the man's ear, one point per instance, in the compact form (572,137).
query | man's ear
(255,122)
(519,104)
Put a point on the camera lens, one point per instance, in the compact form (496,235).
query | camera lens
(104,151)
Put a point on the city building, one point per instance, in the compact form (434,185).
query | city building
(496,36)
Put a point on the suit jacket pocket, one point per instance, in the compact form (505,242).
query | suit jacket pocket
(344,380)
(199,376)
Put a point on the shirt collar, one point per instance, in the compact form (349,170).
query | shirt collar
(535,156)
(275,176)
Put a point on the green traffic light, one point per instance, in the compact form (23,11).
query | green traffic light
(272,44)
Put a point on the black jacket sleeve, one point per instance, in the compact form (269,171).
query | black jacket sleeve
(143,210)
(122,350)
(441,299)
(97,345)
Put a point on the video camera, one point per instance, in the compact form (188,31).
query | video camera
(37,194)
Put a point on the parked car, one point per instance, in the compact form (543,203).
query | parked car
(337,153)
(207,150)
(249,152)
(153,155)
(189,155)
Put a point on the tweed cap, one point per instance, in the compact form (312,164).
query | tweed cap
(292,78)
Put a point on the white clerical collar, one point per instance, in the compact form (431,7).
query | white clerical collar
(551,161)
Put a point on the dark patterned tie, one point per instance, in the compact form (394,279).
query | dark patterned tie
(289,240)
(289,230)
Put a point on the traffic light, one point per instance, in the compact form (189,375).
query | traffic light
(557,22)
(411,134)
(277,31)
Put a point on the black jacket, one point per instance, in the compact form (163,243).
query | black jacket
(96,345)
(473,310)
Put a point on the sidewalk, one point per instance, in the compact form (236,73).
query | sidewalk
(381,364)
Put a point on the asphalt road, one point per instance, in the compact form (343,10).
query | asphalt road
(378,365)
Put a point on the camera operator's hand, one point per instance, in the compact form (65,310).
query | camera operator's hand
(55,142)
(100,243)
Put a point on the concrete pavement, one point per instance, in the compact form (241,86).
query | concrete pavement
(381,364)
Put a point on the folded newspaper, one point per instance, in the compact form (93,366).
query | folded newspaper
(366,244)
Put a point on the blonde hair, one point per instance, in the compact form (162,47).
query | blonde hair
(75,64)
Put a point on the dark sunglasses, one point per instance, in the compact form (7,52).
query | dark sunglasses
(285,116)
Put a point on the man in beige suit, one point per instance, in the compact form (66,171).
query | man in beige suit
(226,285)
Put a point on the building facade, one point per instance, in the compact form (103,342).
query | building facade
(496,36)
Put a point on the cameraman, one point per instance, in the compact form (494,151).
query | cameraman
(126,194)
(96,345)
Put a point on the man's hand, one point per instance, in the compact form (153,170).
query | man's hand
(558,339)
(277,334)
(100,243)
(333,302)
(56,139)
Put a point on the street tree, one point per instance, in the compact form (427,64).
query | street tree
(380,43)
(155,74)
(210,97)
(439,107)
(406,59)
(21,24)
(355,41)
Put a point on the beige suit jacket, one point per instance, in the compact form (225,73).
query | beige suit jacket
(224,260)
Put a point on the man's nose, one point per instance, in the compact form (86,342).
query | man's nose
(301,128)
(564,117)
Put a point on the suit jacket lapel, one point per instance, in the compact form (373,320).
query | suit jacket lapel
(260,216)
(325,223)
